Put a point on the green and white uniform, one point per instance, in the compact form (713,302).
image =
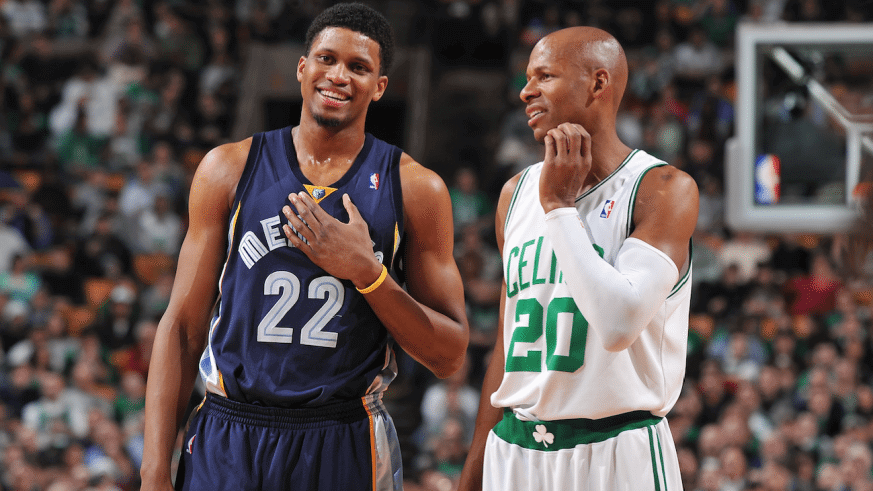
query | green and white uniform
(572,402)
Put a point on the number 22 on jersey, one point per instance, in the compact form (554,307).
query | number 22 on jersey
(287,286)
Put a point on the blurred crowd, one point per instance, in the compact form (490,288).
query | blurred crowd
(107,106)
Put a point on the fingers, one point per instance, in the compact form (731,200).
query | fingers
(549,142)
(350,207)
(305,220)
(567,139)
(307,208)
(580,135)
(297,232)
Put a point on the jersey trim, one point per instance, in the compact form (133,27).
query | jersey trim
(661,457)
(291,153)
(399,217)
(630,218)
(607,178)
(687,275)
(515,194)
(633,198)
(373,453)
(654,460)
(550,436)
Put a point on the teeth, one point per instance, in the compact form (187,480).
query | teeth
(333,95)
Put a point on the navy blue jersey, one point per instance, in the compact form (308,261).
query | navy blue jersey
(286,333)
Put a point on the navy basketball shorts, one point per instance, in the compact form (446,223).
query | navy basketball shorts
(347,446)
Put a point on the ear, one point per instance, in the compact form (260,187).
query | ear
(601,80)
(301,63)
(381,85)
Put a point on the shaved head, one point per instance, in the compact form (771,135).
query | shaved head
(591,49)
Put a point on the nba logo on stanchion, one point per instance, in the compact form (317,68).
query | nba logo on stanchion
(767,179)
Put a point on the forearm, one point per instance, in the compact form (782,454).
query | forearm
(637,285)
(172,371)
(435,340)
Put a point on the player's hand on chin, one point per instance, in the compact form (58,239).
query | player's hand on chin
(566,165)
(343,250)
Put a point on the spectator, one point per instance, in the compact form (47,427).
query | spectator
(106,457)
(68,19)
(14,243)
(177,42)
(656,69)
(18,388)
(138,194)
(160,229)
(734,467)
(129,404)
(747,251)
(719,21)
(59,275)
(815,293)
(696,59)
(20,282)
(451,399)
(89,97)
(78,150)
(221,68)
(133,40)
(470,205)
(56,403)
(103,254)
(117,319)
(25,16)
(136,358)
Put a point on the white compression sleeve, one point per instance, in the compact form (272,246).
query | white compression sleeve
(618,302)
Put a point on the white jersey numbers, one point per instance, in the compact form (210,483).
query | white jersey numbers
(287,286)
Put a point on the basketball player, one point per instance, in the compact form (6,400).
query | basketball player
(299,235)
(595,242)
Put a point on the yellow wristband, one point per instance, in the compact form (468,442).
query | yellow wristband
(376,283)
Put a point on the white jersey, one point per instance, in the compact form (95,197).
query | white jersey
(556,368)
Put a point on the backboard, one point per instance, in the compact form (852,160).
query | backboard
(802,154)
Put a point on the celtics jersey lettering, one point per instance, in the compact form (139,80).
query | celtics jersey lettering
(556,367)
(286,333)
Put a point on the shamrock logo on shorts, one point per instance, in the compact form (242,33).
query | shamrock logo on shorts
(543,436)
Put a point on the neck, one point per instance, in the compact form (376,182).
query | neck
(315,143)
(607,153)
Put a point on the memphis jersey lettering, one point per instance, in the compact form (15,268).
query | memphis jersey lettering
(286,333)
(556,366)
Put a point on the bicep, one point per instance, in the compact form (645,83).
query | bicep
(432,274)
(666,212)
(203,250)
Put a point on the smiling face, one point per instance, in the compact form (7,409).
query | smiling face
(556,88)
(574,75)
(339,77)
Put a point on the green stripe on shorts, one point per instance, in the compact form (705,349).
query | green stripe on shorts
(567,433)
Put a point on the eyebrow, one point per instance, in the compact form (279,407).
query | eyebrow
(539,68)
(359,59)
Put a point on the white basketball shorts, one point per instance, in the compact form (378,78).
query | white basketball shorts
(628,452)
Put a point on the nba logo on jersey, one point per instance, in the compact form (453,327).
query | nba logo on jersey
(607,208)
(374,180)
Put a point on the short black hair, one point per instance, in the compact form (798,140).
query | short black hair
(359,18)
